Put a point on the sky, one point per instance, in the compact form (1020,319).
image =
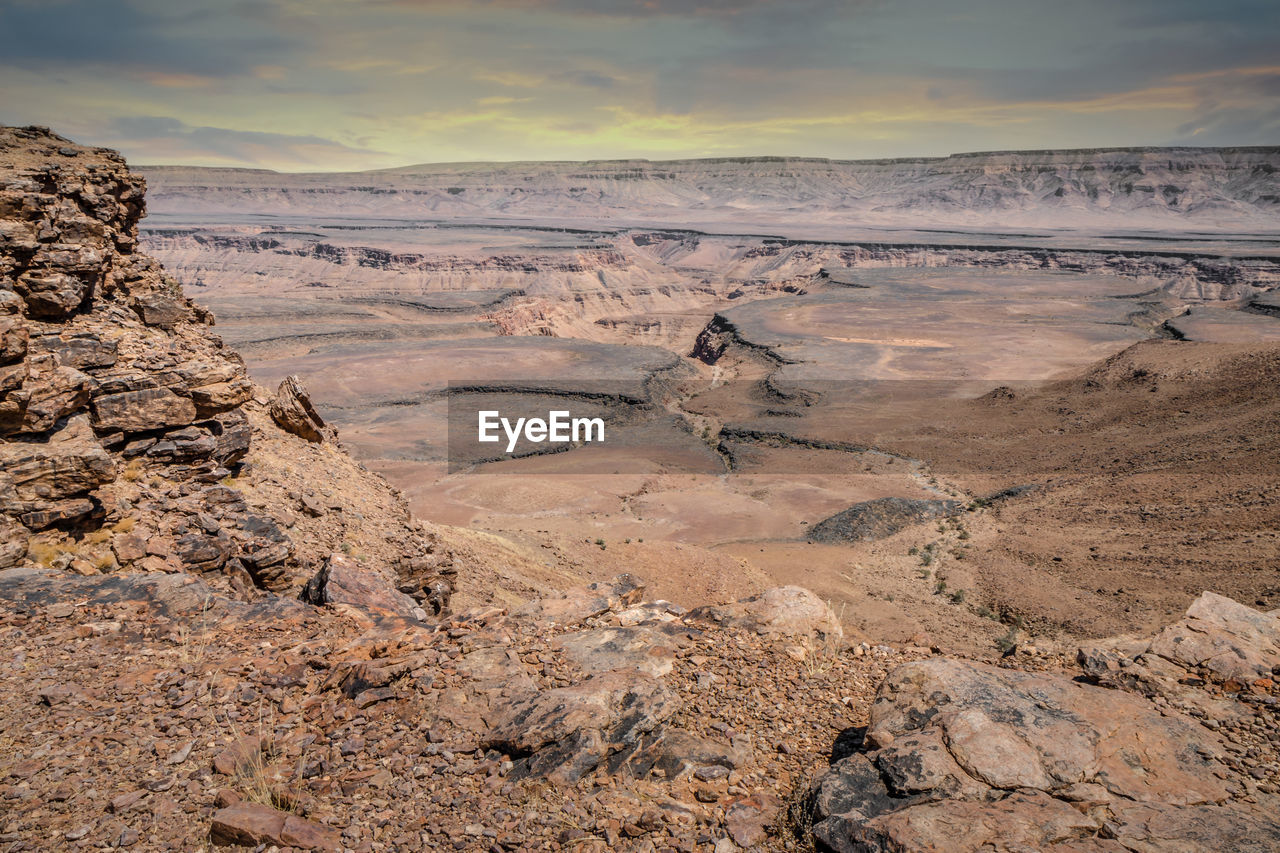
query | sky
(324,85)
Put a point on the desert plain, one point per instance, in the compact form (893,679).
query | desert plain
(1062,364)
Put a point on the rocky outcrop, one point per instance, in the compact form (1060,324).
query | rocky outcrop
(879,518)
(1219,642)
(967,756)
(130,437)
(568,731)
(106,361)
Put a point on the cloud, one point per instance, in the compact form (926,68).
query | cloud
(588,79)
(343,84)
(182,36)
(164,137)
(643,8)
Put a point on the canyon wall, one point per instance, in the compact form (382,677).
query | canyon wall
(1213,188)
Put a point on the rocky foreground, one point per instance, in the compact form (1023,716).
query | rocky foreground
(147,711)
(217,630)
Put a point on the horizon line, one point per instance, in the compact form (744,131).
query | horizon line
(758,158)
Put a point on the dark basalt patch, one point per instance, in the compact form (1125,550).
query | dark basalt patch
(879,519)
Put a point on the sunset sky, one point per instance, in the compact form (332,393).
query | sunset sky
(346,84)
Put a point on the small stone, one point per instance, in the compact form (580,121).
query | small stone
(711,772)
(77,834)
(377,694)
(124,802)
(180,755)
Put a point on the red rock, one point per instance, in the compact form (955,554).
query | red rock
(129,547)
(344,582)
(124,802)
(377,694)
(233,758)
(251,824)
(748,819)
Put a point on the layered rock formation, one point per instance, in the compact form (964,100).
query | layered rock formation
(130,438)
(1106,187)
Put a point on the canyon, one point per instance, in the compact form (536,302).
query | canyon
(744,324)
(915,538)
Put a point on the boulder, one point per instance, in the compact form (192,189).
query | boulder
(343,582)
(52,392)
(1009,729)
(264,551)
(232,435)
(788,611)
(221,396)
(1224,637)
(59,512)
(51,294)
(970,757)
(1218,639)
(293,412)
(565,732)
(748,818)
(202,551)
(161,310)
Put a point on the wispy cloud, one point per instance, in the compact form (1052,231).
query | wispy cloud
(226,146)
(305,84)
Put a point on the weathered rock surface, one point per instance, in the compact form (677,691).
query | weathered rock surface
(291,408)
(1009,730)
(966,756)
(66,463)
(788,611)
(1218,641)
(119,408)
(345,583)
(578,604)
(643,648)
(1225,638)
(250,824)
(142,411)
(568,731)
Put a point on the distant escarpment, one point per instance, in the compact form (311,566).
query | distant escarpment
(130,438)
(1120,187)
